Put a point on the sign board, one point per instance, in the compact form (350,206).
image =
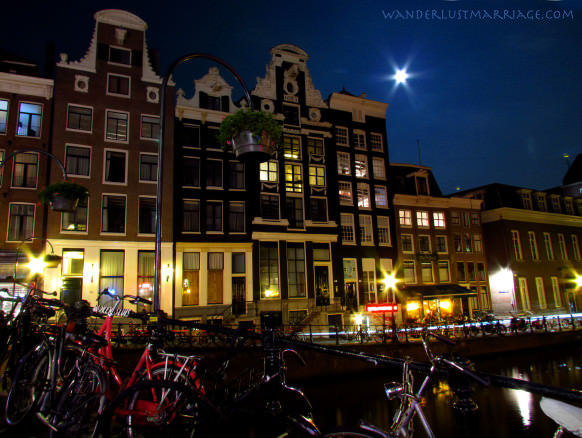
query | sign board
(384,307)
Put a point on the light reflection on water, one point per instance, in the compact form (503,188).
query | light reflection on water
(503,413)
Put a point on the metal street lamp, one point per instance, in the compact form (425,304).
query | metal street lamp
(160,173)
(390,284)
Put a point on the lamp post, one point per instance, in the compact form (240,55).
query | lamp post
(390,283)
(160,173)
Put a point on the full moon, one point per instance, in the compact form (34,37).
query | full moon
(400,76)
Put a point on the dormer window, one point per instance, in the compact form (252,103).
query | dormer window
(118,55)
(421,186)
(541,201)
(526,200)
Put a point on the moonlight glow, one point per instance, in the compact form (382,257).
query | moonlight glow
(400,76)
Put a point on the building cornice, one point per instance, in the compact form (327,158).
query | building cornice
(529,216)
(434,202)
(348,103)
(26,85)
(294,237)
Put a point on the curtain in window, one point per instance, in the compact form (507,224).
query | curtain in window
(191,279)
(111,276)
(215,280)
(21,222)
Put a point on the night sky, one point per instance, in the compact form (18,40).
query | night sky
(488,99)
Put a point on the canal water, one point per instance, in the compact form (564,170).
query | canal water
(502,412)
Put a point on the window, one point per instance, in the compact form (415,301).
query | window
(366,230)
(291,147)
(150,127)
(78,160)
(269,206)
(475,219)
(113,214)
(461,276)
(575,247)
(214,174)
(291,114)
(236,217)
(214,216)
(556,291)
(79,118)
(363,195)
(409,271)
(20,222)
(421,185)
(191,278)
(541,293)
(190,172)
(25,170)
(294,212)
(211,138)
(293,178)
(526,200)
(147,215)
(119,55)
(438,219)
(562,247)
(361,162)
(477,243)
(359,140)
(148,167)
(407,244)
(376,141)
(533,246)
(117,125)
(347,228)
(191,216)
(3,116)
(315,146)
(548,245)
(381,197)
(466,219)
(75,220)
(268,171)
(556,206)
(296,270)
(237,175)
(29,119)
(517,254)
(269,269)
(318,208)
(468,243)
(346,196)
(422,220)
(458,242)
(541,201)
(343,163)
(481,275)
(426,272)
(441,244)
(471,272)
(215,277)
(115,168)
(118,85)
(405,217)
(146,267)
(316,175)
(455,218)
(379,168)
(190,136)
(111,269)
(569,205)
(383,230)
(523,293)
(444,272)
(424,244)
(238,263)
(341,135)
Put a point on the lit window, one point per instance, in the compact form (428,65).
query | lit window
(405,218)
(363,195)
(29,119)
(381,197)
(293,178)
(361,162)
(3,116)
(438,219)
(291,148)
(215,280)
(444,271)
(75,220)
(316,175)
(345,193)
(268,171)
(191,278)
(343,163)
(409,271)
(426,272)
(422,219)
(269,269)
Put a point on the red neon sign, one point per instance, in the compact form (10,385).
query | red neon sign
(376,308)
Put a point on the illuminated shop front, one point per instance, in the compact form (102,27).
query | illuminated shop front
(435,303)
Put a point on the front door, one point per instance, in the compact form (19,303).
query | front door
(321,285)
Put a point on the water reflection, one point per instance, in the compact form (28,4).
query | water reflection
(503,413)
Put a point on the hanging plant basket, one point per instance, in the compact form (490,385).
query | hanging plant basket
(63,196)
(252,135)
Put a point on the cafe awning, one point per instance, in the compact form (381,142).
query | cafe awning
(436,291)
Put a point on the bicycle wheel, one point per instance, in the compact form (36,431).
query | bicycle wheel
(353,433)
(80,402)
(27,385)
(154,408)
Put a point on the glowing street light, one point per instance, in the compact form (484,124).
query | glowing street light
(390,281)
(401,76)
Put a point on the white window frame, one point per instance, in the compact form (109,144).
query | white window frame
(341,135)
(379,168)
(575,247)
(549,247)
(345,187)
(113,233)
(438,219)
(422,219)
(110,93)
(444,238)
(347,220)
(381,193)
(562,247)
(516,244)
(366,230)
(126,153)
(363,196)
(410,238)
(383,228)
(148,181)
(541,291)
(361,166)
(405,217)
(376,141)
(90,130)
(344,158)
(524,293)
(556,291)
(117,140)
(141,124)
(27,238)
(359,138)
(79,146)
(533,246)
